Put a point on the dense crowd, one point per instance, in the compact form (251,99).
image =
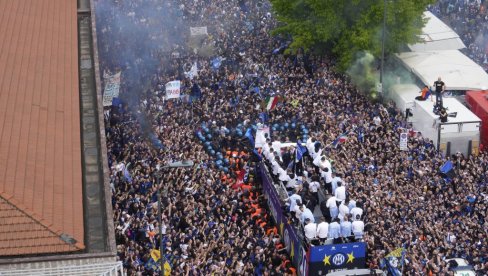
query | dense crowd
(469,19)
(214,217)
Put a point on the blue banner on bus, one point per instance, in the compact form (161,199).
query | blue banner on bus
(328,258)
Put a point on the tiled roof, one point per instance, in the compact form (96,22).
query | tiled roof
(40,141)
(22,233)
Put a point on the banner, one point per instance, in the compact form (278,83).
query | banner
(329,258)
(112,87)
(173,89)
(194,31)
(294,246)
(404,141)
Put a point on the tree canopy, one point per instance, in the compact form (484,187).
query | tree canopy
(347,27)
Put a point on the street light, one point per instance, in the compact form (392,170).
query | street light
(380,90)
(158,174)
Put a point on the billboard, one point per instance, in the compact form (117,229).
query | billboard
(333,257)
(293,243)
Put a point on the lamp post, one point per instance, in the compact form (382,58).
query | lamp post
(382,50)
(158,174)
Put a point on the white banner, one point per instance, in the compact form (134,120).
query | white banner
(198,31)
(173,89)
(404,141)
(112,88)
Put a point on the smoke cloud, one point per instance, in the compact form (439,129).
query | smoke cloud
(363,72)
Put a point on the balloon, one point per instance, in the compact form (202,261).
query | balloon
(226,161)
(293,125)
(212,152)
(209,136)
(226,170)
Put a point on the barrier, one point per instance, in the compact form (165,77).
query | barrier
(294,245)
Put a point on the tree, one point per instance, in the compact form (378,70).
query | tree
(347,27)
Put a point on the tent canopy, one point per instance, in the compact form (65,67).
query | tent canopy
(436,35)
(457,70)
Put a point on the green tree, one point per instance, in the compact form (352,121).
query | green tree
(347,27)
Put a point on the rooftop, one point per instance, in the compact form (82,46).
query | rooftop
(41,204)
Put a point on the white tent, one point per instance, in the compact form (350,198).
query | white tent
(457,70)
(436,35)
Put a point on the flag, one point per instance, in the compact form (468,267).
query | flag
(196,92)
(127,175)
(153,263)
(255,151)
(340,139)
(249,136)
(301,150)
(263,116)
(193,71)
(393,262)
(271,102)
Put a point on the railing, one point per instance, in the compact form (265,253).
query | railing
(103,269)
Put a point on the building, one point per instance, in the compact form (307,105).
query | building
(55,211)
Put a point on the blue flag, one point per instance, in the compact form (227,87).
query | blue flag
(263,116)
(257,154)
(249,136)
(196,92)
(127,175)
(301,150)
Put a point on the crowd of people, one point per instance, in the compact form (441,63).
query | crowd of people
(214,218)
(469,19)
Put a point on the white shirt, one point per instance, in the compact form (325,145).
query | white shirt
(340,193)
(314,186)
(298,212)
(293,201)
(316,160)
(327,176)
(310,230)
(343,211)
(306,214)
(357,227)
(334,183)
(356,213)
(276,145)
(310,146)
(331,202)
(323,230)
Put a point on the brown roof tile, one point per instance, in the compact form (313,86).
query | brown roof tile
(40,141)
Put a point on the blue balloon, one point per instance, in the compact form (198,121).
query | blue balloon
(202,138)
(207,143)
(305,131)
(293,125)
(239,133)
(273,129)
(282,128)
(209,136)
(226,161)
(226,170)
(286,125)
(212,152)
